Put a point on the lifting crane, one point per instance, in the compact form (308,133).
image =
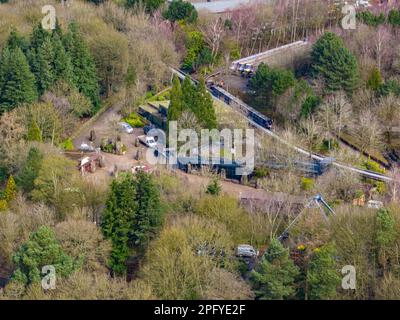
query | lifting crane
(315,202)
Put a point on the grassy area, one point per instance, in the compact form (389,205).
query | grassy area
(375,154)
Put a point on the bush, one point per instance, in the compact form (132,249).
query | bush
(3,205)
(135,120)
(261,172)
(307,184)
(67,145)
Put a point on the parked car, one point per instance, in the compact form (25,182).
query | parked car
(126,127)
(148,141)
(247,251)
(373,204)
(86,147)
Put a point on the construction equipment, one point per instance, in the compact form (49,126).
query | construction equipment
(316,202)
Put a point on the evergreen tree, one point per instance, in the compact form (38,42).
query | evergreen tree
(332,61)
(62,64)
(40,250)
(83,64)
(16,41)
(274,278)
(17,83)
(188,94)
(176,100)
(214,188)
(38,36)
(11,189)
(375,81)
(34,132)
(322,276)
(118,220)
(203,106)
(131,217)
(45,73)
(148,210)
(181,10)
(30,170)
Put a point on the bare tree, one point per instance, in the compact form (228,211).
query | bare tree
(389,114)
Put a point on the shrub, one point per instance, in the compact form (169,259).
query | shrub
(307,184)
(135,120)
(67,144)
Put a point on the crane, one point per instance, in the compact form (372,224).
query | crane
(315,202)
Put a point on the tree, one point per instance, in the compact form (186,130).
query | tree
(389,114)
(110,52)
(274,278)
(118,219)
(62,64)
(11,189)
(131,217)
(322,276)
(176,100)
(269,83)
(17,83)
(334,63)
(148,210)
(181,10)
(34,132)
(214,188)
(40,250)
(84,67)
(385,235)
(374,81)
(203,106)
(30,170)
(45,73)
(368,132)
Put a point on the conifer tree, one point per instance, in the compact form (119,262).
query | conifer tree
(45,73)
(17,83)
(323,277)
(274,278)
(62,64)
(176,100)
(11,189)
(84,67)
(30,171)
(334,63)
(34,132)
(203,107)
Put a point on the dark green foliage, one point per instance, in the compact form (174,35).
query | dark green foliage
(323,277)
(386,228)
(203,106)
(269,83)
(394,17)
(176,100)
(16,41)
(62,66)
(30,170)
(181,10)
(97,2)
(309,105)
(17,83)
(148,213)
(131,217)
(274,277)
(45,73)
(40,250)
(196,99)
(334,63)
(214,187)
(195,45)
(84,68)
(370,19)
(391,86)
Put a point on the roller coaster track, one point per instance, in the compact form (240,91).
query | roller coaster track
(224,95)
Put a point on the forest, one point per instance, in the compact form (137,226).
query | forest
(171,235)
